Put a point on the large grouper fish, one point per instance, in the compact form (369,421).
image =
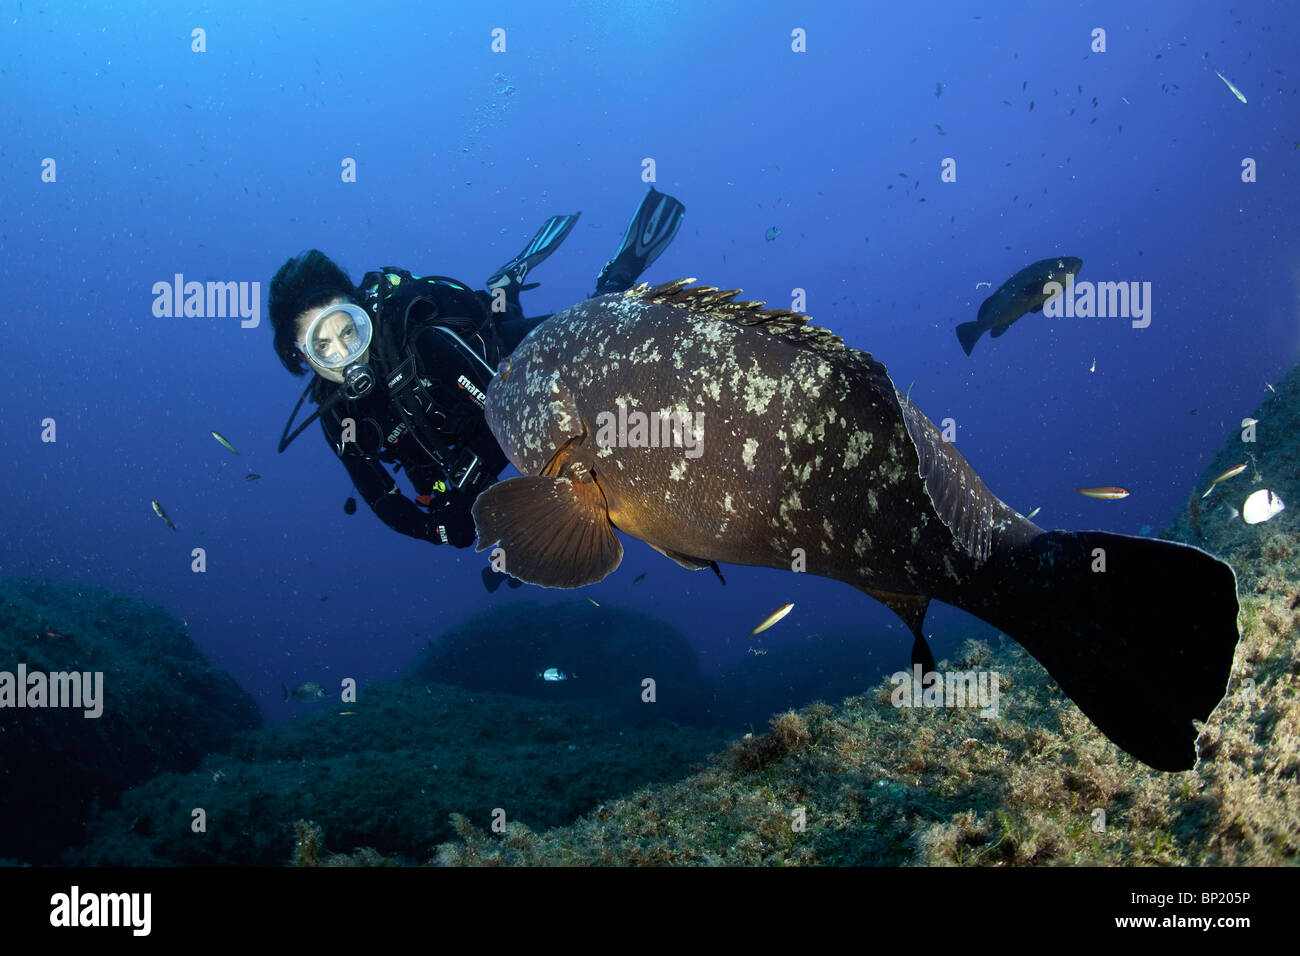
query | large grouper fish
(782,441)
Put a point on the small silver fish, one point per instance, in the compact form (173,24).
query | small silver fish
(221,438)
(554,674)
(158,510)
(1235,92)
(306,692)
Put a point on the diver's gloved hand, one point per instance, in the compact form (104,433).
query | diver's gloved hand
(450,521)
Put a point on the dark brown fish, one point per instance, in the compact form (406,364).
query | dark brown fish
(771,443)
(1026,291)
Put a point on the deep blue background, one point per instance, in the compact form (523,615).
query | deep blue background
(221,165)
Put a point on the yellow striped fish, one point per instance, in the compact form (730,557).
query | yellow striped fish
(1107,492)
(772,618)
(1232,472)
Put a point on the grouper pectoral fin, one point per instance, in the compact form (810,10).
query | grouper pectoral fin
(911,608)
(555,532)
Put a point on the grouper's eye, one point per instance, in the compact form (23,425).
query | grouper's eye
(503,369)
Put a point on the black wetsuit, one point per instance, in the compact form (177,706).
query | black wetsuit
(436,346)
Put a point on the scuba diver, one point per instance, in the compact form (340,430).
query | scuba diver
(402,364)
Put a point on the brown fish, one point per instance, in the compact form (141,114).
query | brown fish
(1026,291)
(717,431)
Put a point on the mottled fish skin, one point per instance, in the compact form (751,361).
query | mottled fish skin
(807,449)
(802,447)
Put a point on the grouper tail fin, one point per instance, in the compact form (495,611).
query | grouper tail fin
(1140,633)
(968,333)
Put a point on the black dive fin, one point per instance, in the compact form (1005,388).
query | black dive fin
(653,226)
(1140,633)
(553,232)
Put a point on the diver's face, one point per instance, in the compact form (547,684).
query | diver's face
(333,337)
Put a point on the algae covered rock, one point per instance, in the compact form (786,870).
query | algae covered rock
(388,773)
(161,706)
(606,652)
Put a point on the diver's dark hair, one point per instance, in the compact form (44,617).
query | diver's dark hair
(309,281)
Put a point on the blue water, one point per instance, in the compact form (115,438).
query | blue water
(222,164)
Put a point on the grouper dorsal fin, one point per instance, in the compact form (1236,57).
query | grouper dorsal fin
(708,300)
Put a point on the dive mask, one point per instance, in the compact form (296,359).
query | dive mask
(337,339)
(338,336)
